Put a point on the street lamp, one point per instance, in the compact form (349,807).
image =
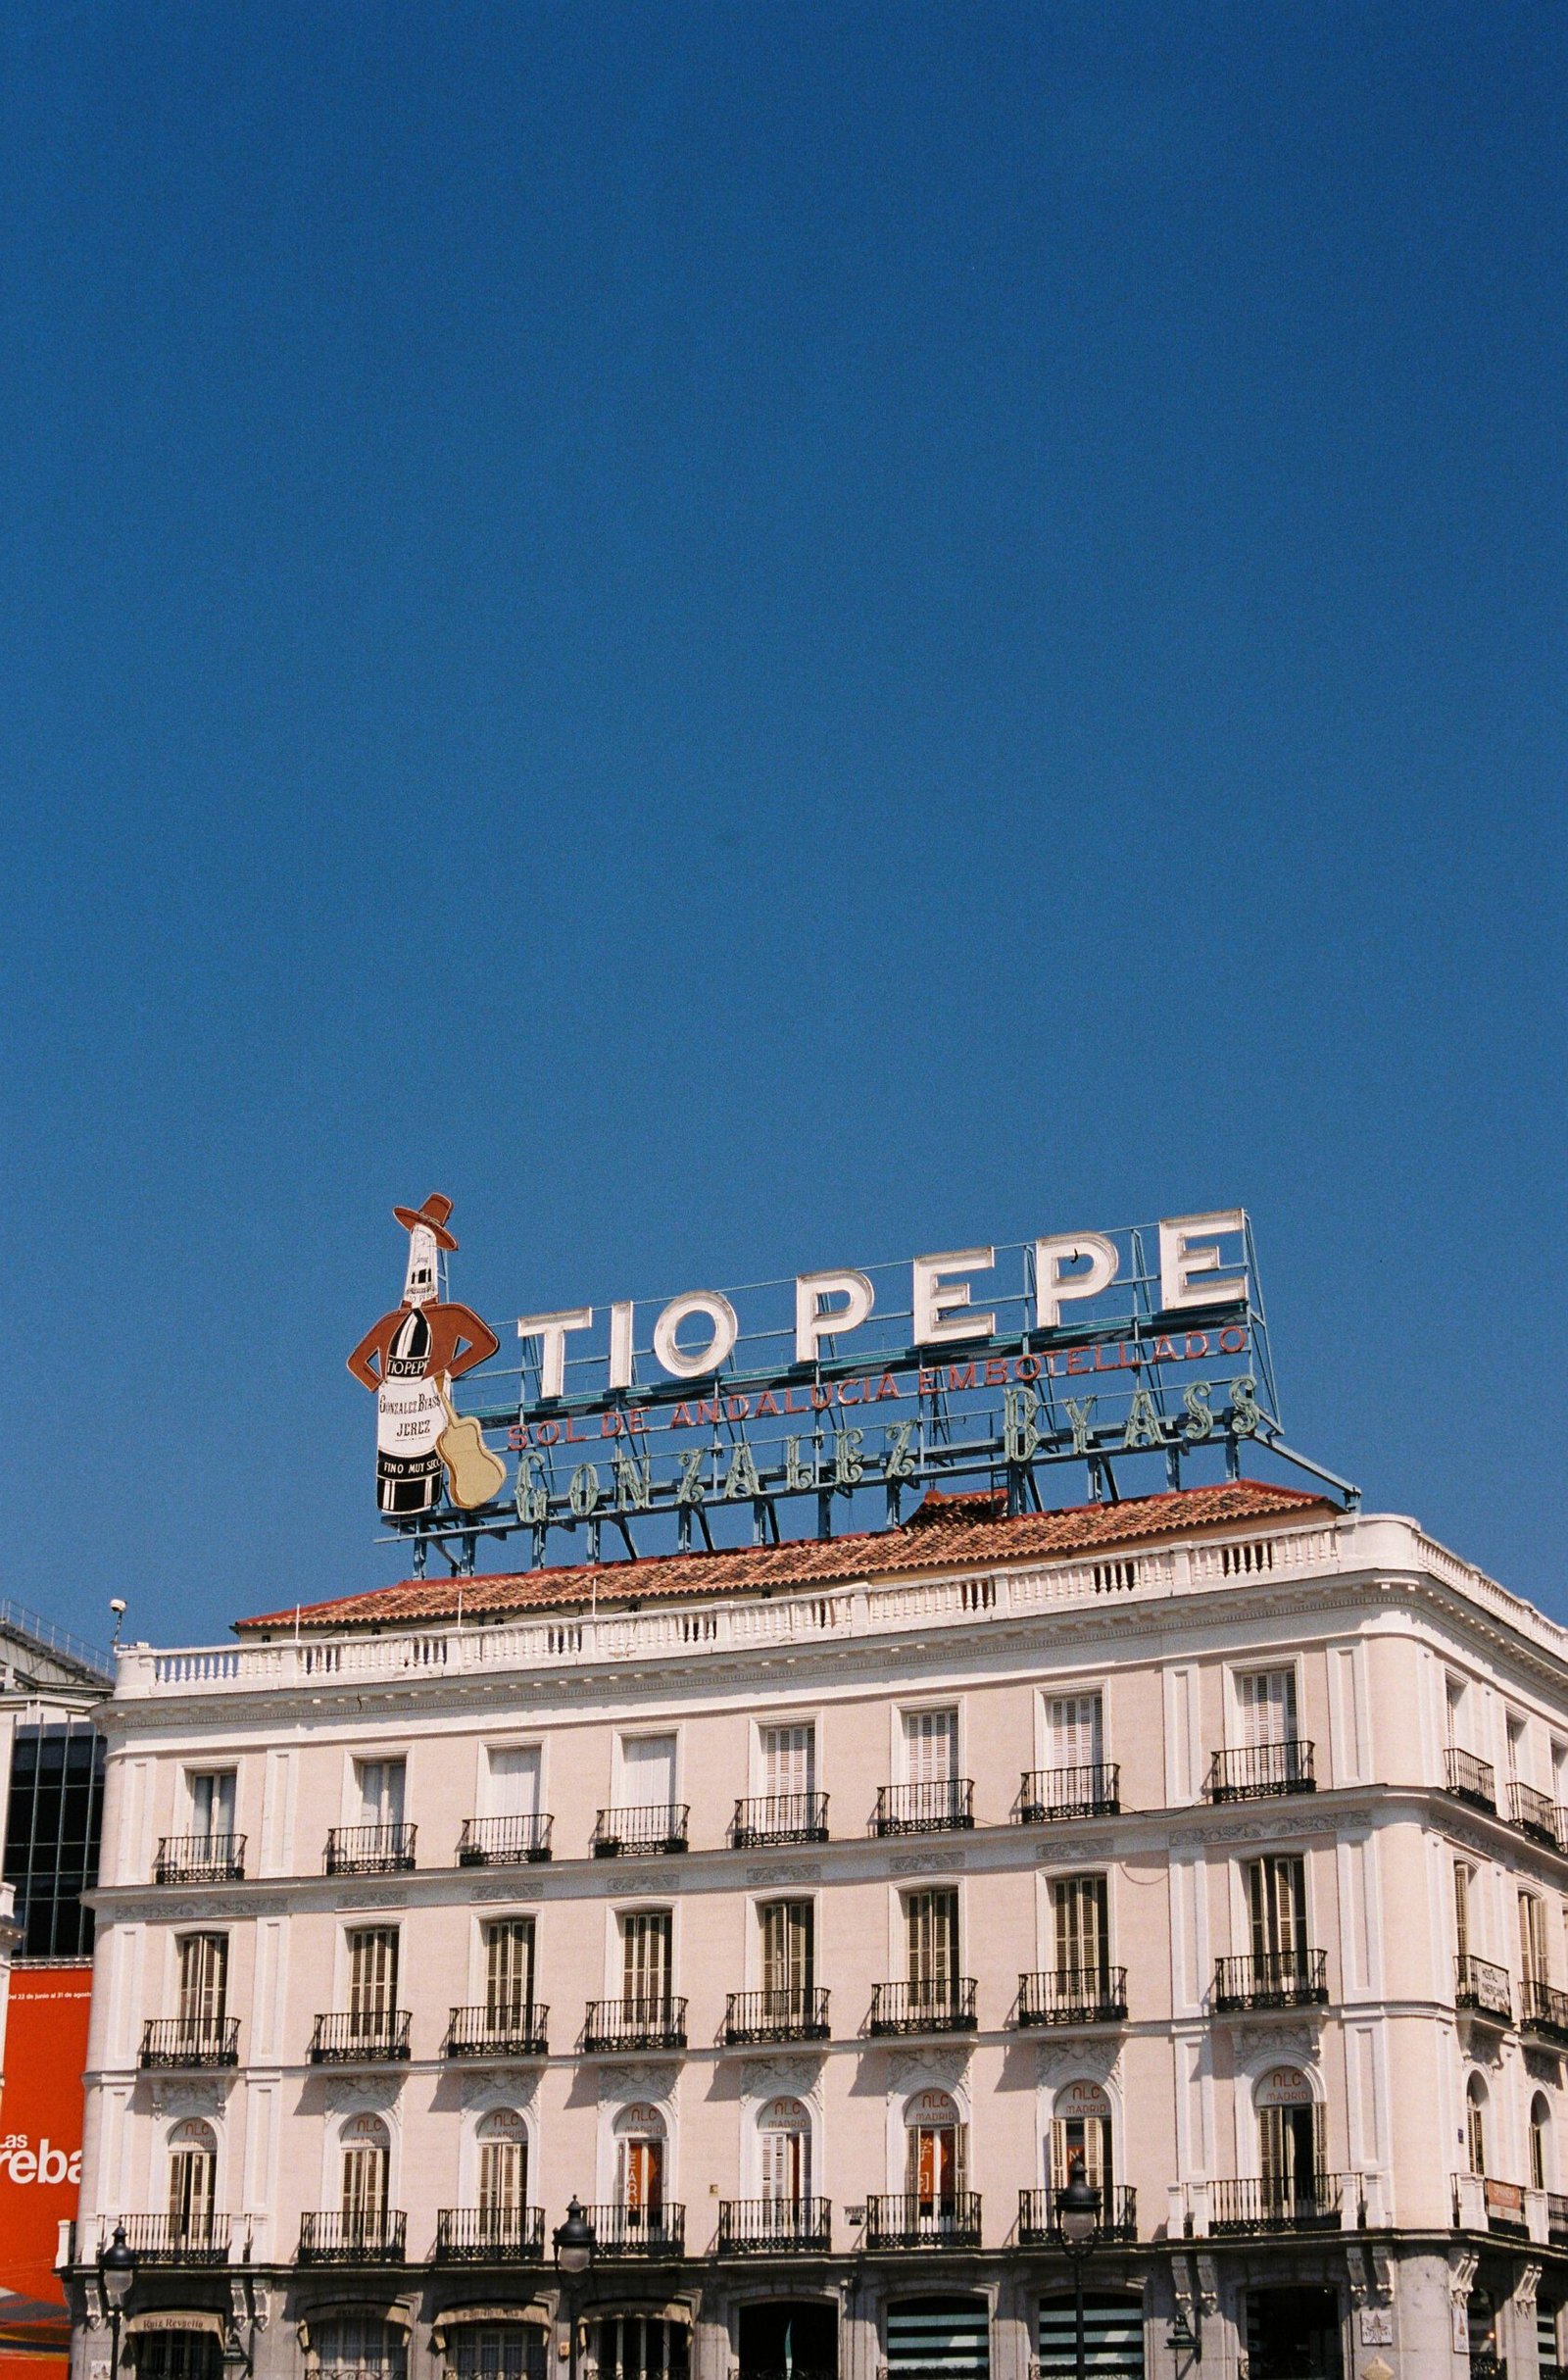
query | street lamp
(1078,2221)
(117,2272)
(574,2241)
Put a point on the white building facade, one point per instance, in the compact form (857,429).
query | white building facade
(803,1912)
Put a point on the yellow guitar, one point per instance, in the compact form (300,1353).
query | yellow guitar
(474,1475)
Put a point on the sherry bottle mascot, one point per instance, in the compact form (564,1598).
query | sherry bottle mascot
(411,1358)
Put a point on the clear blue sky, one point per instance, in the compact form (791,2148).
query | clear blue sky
(763,636)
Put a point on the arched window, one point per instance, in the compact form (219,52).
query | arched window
(785,2129)
(1540,2142)
(640,2145)
(497,2351)
(1080,2126)
(641,2347)
(367,2180)
(1290,2139)
(936,2157)
(1475,2123)
(503,2161)
(192,2182)
(351,2347)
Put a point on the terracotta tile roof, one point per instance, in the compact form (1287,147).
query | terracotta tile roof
(946,1532)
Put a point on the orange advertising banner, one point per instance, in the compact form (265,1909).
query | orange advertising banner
(45,2049)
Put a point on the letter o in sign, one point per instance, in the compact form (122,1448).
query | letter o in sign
(667,1348)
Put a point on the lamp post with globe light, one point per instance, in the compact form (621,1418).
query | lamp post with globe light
(117,2273)
(1078,2221)
(574,2240)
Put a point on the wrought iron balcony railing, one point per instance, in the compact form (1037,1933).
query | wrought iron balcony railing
(1299,2202)
(1073,1996)
(174,2239)
(638,2231)
(1257,1772)
(1039,2226)
(1272,1979)
(514,2029)
(504,1842)
(798,2012)
(1534,1813)
(1482,1989)
(1090,1790)
(1544,2011)
(490,2235)
(350,2039)
(904,2219)
(373,2235)
(1469,1779)
(190,2040)
(925,2008)
(939,1806)
(770,2227)
(766,1818)
(641,1832)
(199,1860)
(370,1851)
(635,2024)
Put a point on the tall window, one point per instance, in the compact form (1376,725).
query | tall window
(788,1759)
(788,1947)
(512,1784)
(930,1747)
(367,2173)
(935,2154)
(1516,1747)
(192,2179)
(508,1970)
(1075,1732)
(646,1955)
(1475,2123)
(380,1784)
(785,2131)
(1266,1703)
(1276,1905)
(372,1975)
(52,1822)
(1080,2126)
(931,1938)
(1082,1927)
(503,2162)
(640,2161)
(647,1771)
(203,1981)
(1532,1938)
(1463,1879)
(1454,1710)
(1290,2135)
(211,1803)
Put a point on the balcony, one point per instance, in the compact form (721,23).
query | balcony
(1038,2226)
(925,2008)
(1481,1990)
(941,1806)
(1482,2204)
(774,2227)
(508,2031)
(1092,1791)
(1260,1772)
(1469,1779)
(504,1842)
(370,1851)
(490,2235)
(795,2013)
(1272,1979)
(1073,1996)
(635,2024)
(904,2219)
(1304,2201)
(1543,2012)
(369,2236)
(176,2239)
(199,1860)
(648,2232)
(771,1818)
(1534,1813)
(378,2038)
(190,2040)
(641,1832)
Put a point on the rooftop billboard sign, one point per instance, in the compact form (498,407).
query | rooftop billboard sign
(983,1363)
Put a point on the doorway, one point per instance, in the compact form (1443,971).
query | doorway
(1294,2334)
(789,2339)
